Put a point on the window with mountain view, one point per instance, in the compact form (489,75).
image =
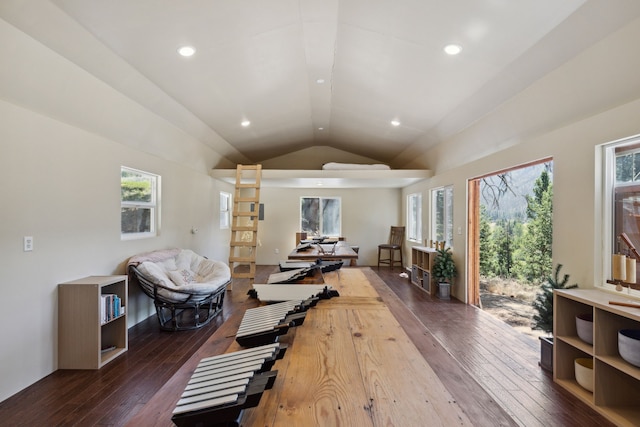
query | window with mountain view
(516,224)
(515,236)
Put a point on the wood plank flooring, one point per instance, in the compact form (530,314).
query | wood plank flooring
(491,370)
(499,359)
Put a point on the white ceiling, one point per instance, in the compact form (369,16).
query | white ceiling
(260,60)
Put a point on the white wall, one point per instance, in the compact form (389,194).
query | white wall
(367,215)
(591,100)
(61,186)
(63,137)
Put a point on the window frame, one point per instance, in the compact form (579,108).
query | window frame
(225,211)
(320,219)
(606,217)
(414,223)
(447,214)
(153,205)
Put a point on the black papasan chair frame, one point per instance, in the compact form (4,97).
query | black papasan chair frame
(175,316)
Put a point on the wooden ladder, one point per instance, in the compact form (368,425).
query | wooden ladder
(244,222)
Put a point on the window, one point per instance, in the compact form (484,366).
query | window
(442,215)
(320,216)
(414,217)
(225,210)
(621,210)
(139,201)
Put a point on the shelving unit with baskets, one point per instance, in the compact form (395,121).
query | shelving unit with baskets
(89,337)
(421,263)
(616,382)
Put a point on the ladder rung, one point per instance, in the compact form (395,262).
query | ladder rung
(248,185)
(246,200)
(245,244)
(241,259)
(243,275)
(244,236)
(244,228)
(249,213)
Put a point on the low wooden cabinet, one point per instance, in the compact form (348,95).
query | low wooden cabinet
(90,333)
(421,264)
(616,383)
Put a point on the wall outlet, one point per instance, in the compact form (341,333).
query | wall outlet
(28,243)
(277,251)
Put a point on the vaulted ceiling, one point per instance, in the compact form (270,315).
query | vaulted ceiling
(332,73)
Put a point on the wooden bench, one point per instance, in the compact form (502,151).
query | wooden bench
(351,363)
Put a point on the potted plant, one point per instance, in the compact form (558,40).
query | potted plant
(444,270)
(543,320)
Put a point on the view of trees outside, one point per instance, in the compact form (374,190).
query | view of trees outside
(516,225)
(136,192)
(320,216)
(628,165)
(627,196)
(515,238)
(516,232)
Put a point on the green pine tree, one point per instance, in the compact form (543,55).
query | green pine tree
(444,268)
(537,241)
(544,301)
(504,248)
(487,262)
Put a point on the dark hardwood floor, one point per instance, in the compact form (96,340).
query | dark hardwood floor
(491,369)
(504,362)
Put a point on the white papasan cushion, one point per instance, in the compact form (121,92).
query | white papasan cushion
(185,259)
(155,274)
(209,275)
(168,264)
(211,271)
(181,277)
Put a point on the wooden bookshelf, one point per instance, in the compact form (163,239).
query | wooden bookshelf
(616,383)
(86,340)
(421,264)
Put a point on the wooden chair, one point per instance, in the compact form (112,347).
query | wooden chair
(396,240)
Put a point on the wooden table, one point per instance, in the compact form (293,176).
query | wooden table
(350,364)
(342,250)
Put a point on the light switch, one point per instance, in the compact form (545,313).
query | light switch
(28,243)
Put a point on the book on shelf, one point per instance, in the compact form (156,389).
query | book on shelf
(110,307)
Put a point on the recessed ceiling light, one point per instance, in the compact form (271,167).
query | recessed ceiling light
(452,49)
(395,122)
(320,81)
(187,51)
(245,123)
(320,128)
